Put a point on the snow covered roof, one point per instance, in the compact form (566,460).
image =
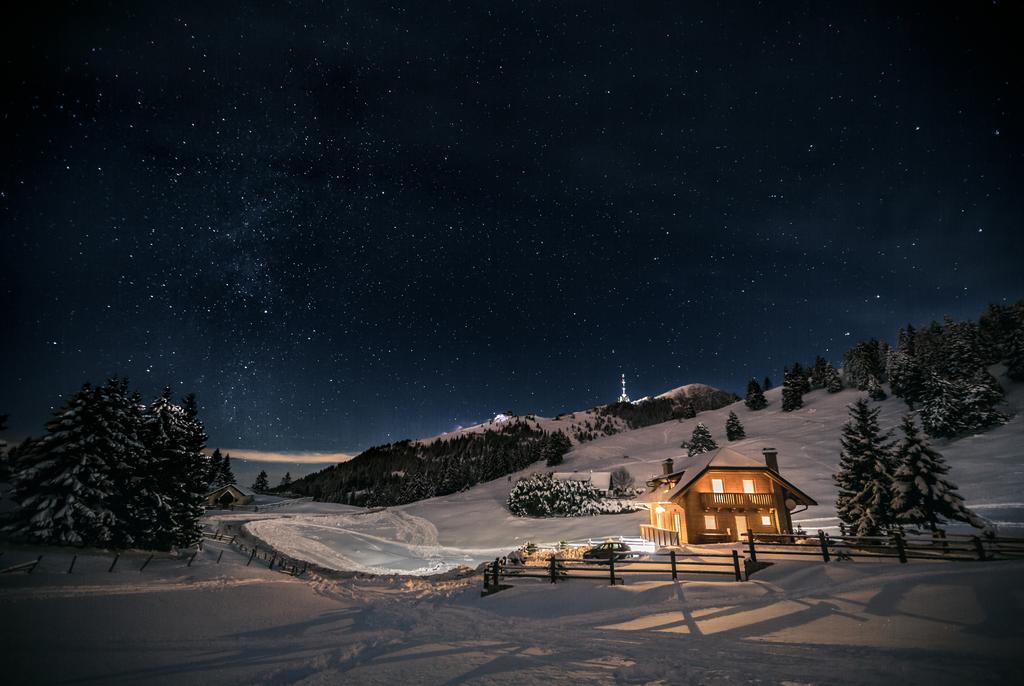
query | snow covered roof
(600,480)
(724,458)
(241,489)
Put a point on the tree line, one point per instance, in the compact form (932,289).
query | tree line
(940,371)
(407,471)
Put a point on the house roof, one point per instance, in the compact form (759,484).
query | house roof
(725,458)
(241,489)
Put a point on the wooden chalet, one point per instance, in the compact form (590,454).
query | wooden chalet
(717,496)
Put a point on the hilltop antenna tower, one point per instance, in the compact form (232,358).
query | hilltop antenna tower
(623,398)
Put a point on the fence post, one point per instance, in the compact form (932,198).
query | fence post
(552,569)
(736,564)
(978,548)
(272,561)
(148,559)
(72,565)
(750,546)
(495,569)
(611,567)
(192,558)
(220,556)
(116,558)
(251,555)
(35,564)
(824,545)
(900,550)
(672,555)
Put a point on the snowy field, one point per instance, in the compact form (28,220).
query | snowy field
(798,622)
(467,528)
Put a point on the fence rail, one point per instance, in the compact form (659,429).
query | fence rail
(615,571)
(895,545)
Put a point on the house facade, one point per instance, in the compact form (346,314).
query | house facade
(718,496)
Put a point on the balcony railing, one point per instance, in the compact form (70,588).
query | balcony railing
(748,500)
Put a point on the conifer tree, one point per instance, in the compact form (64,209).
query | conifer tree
(800,378)
(262,483)
(171,440)
(818,372)
(685,409)
(286,480)
(767,385)
(952,406)
(214,468)
(875,390)
(733,428)
(755,399)
(833,384)
(1015,354)
(64,480)
(700,441)
(864,479)
(121,438)
(226,475)
(942,408)
(792,395)
(4,453)
(922,496)
(554,448)
(864,360)
(962,357)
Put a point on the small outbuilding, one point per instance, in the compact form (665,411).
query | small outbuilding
(229,496)
(602,481)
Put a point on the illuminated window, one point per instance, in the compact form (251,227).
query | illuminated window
(709,522)
(766,520)
(717,486)
(748,485)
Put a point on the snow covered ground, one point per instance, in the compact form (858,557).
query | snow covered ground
(798,622)
(467,528)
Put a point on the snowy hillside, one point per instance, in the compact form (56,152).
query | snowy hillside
(472,526)
(701,395)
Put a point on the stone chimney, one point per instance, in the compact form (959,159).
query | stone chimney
(771,458)
(666,466)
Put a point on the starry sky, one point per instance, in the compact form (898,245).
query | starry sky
(342,224)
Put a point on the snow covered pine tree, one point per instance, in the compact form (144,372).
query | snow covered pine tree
(733,428)
(864,479)
(63,480)
(755,399)
(700,441)
(922,496)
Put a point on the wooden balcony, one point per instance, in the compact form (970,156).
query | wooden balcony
(745,501)
(662,537)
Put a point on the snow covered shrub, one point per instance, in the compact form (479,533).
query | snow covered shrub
(541,495)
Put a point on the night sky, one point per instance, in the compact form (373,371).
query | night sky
(348,223)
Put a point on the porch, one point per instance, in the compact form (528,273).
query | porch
(658,536)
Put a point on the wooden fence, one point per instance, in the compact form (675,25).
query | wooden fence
(896,545)
(275,561)
(615,571)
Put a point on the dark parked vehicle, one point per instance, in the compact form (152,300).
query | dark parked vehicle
(611,550)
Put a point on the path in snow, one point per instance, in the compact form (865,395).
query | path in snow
(382,542)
